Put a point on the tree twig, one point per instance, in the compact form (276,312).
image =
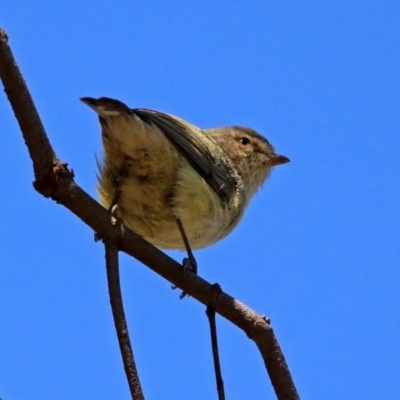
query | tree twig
(117,307)
(214,346)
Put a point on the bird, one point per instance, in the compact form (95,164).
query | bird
(174,184)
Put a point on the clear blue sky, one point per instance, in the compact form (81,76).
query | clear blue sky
(318,250)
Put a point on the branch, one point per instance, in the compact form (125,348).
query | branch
(215,352)
(36,140)
(53,179)
(121,326)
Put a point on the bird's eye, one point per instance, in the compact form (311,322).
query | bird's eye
(244,140)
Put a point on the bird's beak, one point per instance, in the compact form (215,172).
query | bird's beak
(277,160)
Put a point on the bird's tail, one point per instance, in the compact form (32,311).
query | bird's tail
(106,107)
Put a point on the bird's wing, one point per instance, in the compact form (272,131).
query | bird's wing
(197,149)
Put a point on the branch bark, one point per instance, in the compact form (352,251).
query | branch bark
(121,326)
(53,179)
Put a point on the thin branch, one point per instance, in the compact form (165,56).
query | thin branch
(36,140)
(214,345)
(114,289)
(59,185)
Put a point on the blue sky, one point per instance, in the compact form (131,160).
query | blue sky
(318,249)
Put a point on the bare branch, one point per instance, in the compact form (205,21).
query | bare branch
(214,346)
(36,140)
(59,185)
(121,326)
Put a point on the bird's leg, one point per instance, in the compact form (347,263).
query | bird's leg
(117,179)
(190,262)
(113,207)
(113,210)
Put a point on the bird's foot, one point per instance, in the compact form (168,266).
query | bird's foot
(190,265)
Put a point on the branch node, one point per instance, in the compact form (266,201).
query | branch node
(266,319)
(214,293)
(47,184)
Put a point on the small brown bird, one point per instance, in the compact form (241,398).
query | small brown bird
(167,176)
